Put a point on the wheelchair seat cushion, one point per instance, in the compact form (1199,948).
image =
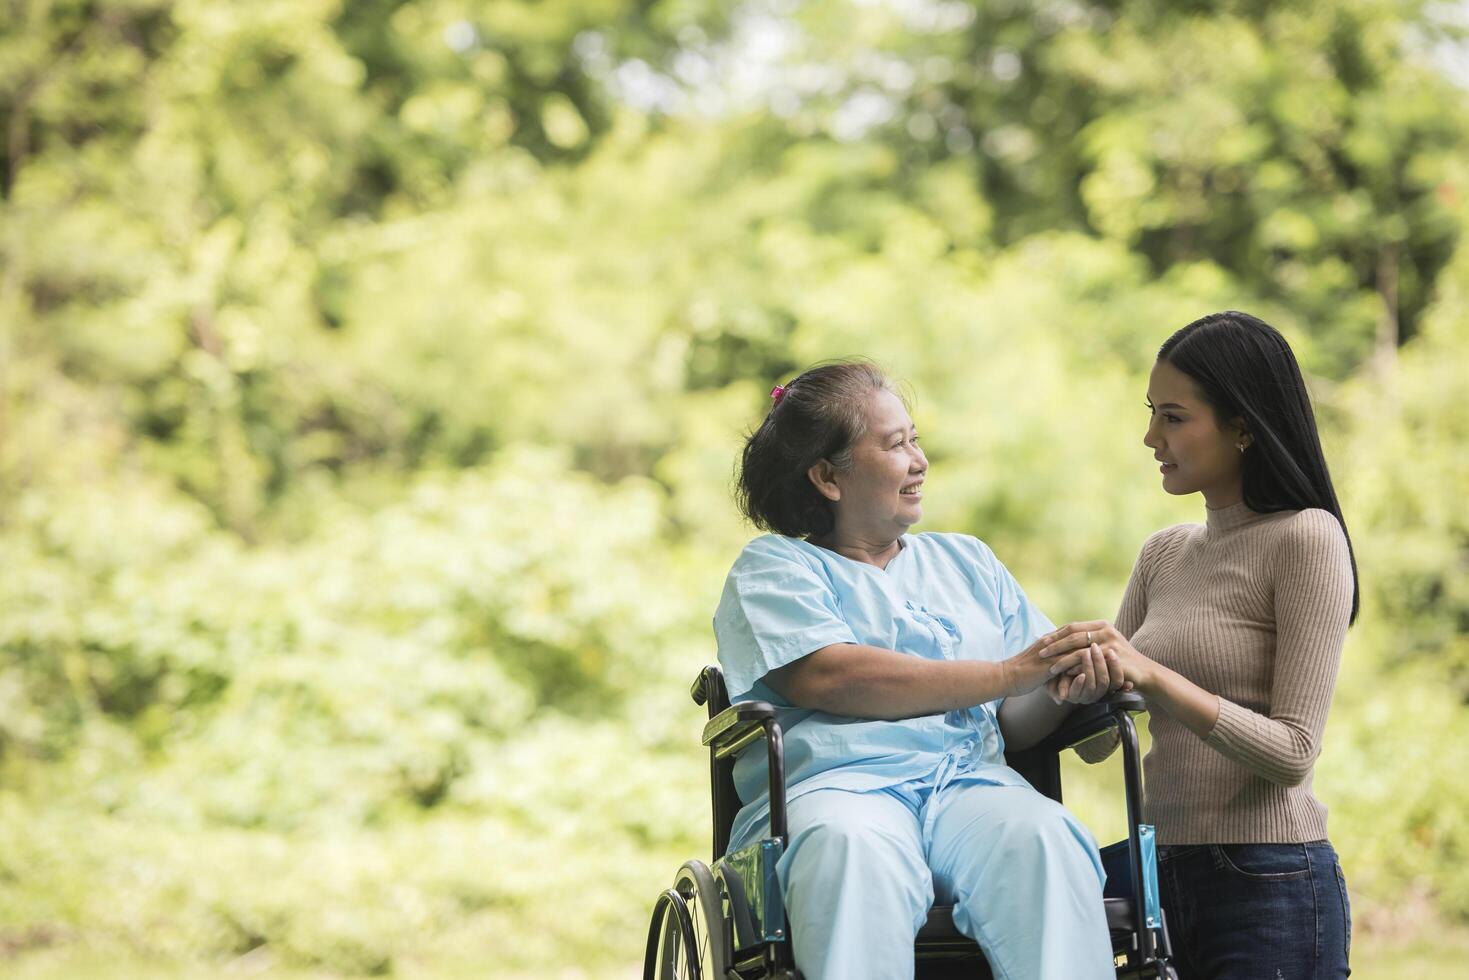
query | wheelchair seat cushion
(940,928)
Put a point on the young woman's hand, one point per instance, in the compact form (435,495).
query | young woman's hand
(1136,668)
(1099,674)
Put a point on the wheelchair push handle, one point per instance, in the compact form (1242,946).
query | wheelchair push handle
(704,687)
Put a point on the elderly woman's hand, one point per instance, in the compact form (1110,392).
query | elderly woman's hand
(1038,663)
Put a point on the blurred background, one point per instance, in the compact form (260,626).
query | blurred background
(371,376)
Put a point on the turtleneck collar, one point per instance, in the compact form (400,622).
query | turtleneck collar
(1231,517)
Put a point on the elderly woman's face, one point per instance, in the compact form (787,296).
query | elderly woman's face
(882,490)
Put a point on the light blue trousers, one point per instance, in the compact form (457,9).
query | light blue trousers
(862,870)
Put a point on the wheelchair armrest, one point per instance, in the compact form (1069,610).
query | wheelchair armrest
(737,726)
(741,724)
(1091,720)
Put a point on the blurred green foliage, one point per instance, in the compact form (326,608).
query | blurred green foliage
(371,377)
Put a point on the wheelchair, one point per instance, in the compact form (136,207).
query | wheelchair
(726,920)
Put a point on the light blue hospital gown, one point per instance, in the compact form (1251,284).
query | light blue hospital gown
(886,815)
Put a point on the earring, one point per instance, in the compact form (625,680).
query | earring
(1242,446)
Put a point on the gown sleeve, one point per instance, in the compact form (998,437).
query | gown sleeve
(775,609)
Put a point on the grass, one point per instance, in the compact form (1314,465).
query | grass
(1440,954)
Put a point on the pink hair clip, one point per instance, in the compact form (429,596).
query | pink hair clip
(777,393)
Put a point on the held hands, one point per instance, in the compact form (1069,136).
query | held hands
(1108,663)
(1099,674)
(1050,656)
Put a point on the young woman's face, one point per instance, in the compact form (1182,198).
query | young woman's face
(881,493)
(1196,452)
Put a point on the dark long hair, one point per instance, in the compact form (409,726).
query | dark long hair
(1246,370)
(819,416)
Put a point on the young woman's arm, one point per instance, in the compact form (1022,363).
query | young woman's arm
(1313,597)
(1313,603)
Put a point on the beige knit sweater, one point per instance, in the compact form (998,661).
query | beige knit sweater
(1254,608)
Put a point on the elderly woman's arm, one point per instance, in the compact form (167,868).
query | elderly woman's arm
(1026,720)
(862,681)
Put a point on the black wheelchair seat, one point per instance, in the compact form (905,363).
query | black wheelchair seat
(940,925)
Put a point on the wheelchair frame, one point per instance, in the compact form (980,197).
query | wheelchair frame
(726,920)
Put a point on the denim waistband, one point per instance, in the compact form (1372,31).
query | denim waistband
(1170,852)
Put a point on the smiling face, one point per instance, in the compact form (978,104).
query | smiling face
(1197,453)
(878,496)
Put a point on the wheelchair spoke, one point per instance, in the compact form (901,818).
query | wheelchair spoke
(701,934)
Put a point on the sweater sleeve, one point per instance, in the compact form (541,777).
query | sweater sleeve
(1130,616)
(1313,602)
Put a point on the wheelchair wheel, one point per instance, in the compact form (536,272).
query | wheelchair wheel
(673,949)
(689,937)
(695,882)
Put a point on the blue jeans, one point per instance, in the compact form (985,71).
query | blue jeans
(1256,911)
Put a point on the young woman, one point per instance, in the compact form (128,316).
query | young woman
(1233,631)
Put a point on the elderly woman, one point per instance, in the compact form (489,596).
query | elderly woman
(905,663)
